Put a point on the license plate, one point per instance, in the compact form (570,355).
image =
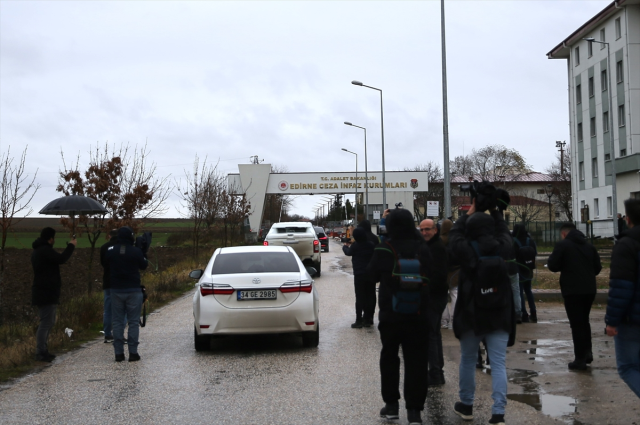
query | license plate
(261,294)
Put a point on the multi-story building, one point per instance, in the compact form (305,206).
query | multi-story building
(605,69)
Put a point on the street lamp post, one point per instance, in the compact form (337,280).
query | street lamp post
(366,172)
(384,184)
(445,119)
(614,191)
(356,200)
(549,191)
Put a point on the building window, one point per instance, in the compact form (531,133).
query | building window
(578,94)
(592,126)
(581,170)
(618,29)
(619,72)
(540,192)
(607,157)
(634,195)
(557,215)
(591,88)
(589,48)
(609,206)
(576,56)
(620,116)
(623,152)
(594,167)
(605,122)
(596,208)
(602,38)
(581,204)
(579,132)
(603,80)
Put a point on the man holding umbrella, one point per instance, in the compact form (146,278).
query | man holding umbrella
(45,293)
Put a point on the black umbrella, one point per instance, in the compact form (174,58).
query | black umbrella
(72,205)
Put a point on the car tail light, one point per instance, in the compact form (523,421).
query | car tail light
(265,243)
(306,323)
(323,238)
(207,326)
(316,246)
(296,287)
(215,289)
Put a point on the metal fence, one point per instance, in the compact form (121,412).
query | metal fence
(548,233)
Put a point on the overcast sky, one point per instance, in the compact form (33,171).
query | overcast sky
(228,80)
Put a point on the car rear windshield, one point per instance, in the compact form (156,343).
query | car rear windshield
(291,229)
(255,262)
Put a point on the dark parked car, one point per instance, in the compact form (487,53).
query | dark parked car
(324,239)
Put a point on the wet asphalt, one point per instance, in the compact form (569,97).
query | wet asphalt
(275,380)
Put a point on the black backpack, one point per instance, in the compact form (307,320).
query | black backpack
(409,283)
(491,283)
(526,259)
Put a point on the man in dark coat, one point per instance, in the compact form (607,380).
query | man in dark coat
(361,252)
(525,276)
(126,261)
(578,263)
(396,328)
(623,304)
(366,225)
(107,326)
(438,297)
(471,324)
(45,292)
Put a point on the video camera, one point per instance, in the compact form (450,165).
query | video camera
(487,196)
(144,242)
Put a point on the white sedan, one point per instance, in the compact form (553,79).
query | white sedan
(255,290)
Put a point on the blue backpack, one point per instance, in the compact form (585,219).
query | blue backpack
(409,283)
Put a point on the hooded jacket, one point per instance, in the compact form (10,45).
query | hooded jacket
(366,225)
(578,263)
(492,235)
(125,262)
(360,251)
(623,304)
(46,272)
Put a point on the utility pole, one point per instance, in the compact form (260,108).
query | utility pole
(561,145)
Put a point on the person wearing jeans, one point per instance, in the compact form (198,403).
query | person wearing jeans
(623,303)
(496,345)
(125,262)
(45,292)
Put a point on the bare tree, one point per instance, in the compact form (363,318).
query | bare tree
(233,212)
(527,206)
(201,197)
(491,163)
(17,192)
(561,176)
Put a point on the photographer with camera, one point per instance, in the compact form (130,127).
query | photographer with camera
(125,262)
(484,309)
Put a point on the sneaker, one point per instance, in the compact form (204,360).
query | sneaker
(357,324)
(578,365)
(414,417)
(108,339)
(119,357)
(465,411)
(367,323)
(497,419)
(389,411)
(133,357)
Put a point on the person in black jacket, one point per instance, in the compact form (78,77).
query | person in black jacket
(396,329)
(125,262)
(471,325)
(45,292)
(107,327)
(361,252)
(623,304)
(525,276)
(366,225)
(578,263)
(438,297)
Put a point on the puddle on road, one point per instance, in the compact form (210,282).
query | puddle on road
(558,407)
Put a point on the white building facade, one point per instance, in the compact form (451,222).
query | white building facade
(590,117)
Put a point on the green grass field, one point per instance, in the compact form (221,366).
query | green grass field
(25,239)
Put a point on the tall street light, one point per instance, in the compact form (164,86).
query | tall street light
(384,184)
(445,120)
(614,191)
(366,172)
(356,201)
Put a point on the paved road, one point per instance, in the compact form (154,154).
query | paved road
(274,380)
